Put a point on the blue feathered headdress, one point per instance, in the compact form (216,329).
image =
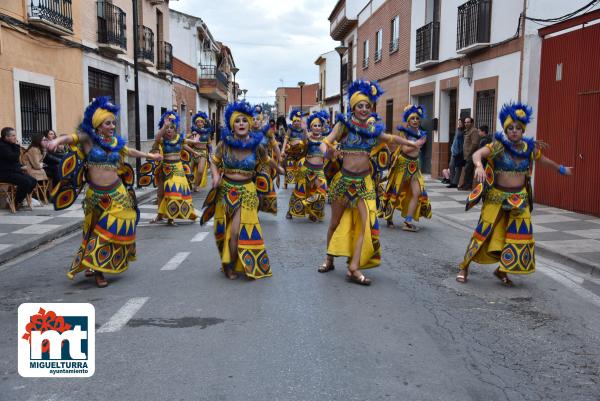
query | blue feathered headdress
(324,115)
(241,106)
(166,114)
(201,115)
(102,102)
(515,112)
(314,116)
(413,109)
(295,113)
(370,89)
(87,124)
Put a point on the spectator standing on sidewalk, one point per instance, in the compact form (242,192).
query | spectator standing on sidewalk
(456,158)
(470,146)
(484,136)
(11,171)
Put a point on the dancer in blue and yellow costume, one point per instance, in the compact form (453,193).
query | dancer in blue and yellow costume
(266,174)
(353,230)
(201,132)
(504,233)
(176,200)
(234,200)
(294,147)
(310,192)
(405,189)
(97,158)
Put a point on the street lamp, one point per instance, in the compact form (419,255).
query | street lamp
(234,70)
(341,50)
(301,85)
(244,93)
(284,104)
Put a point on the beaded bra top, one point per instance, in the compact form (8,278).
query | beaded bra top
(359,138)
(296,134)
(508,159)
(173,145)
(101,158)
(203,134)
(314,147)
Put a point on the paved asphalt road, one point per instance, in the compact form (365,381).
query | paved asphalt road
(415,334)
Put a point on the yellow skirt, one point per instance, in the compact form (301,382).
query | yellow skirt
(503,234)
(308,198)
(265,189)
(176,202)
(196,164)
(252,258)
(351,189)
(108,230)
(398,190)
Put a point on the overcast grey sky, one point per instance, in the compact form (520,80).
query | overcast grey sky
(270,39)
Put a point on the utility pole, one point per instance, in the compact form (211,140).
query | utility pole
(136,88)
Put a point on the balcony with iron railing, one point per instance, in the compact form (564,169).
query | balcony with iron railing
(428,44)
(165,58)
(51,15)
(112,27)
(341,24)
(145,46)
(212,82)
(473,26)
(394,45)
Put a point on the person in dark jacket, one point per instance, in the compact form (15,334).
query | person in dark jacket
(470,146)
(484,135)
(11,171)
(52,160)
(456,159)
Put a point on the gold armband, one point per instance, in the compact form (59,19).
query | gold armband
(75,139)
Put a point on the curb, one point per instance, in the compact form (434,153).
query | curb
(580,264)
(18,250)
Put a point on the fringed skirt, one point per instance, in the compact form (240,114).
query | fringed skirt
(504,233)
(176,202)
(252,258)
(308,198)
(350,189)
(109,225)
(398,190)
(293,161)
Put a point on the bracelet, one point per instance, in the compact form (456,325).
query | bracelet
(562,170)
(329,144)
(75,139)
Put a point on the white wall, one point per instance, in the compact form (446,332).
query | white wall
(505,18)
(332,74)
(353,7)
(183,34)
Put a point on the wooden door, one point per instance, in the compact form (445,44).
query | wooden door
(587,160)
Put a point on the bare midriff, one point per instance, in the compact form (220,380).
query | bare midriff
(356,162)
(410,151)
(102,177)
(507,180)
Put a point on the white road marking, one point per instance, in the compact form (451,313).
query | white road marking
(199,237)
(175,261)
(123,315)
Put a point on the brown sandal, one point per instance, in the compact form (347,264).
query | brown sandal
(362,280)
(461,277)
(89,273)
(100,280)
(324,268)
(502,276)
(410,227)
(229,273)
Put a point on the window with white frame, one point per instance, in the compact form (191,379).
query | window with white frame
(366,53)
(378,44)
(395,34)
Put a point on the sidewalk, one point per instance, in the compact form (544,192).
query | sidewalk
(559,233)
(26,230)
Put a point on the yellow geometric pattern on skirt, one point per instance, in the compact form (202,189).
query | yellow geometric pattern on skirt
(196,166)
(109,225)
(346,233)
(310,192)
(265,188)
(504,234)
(398,190)
(176,202)
(252,258)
